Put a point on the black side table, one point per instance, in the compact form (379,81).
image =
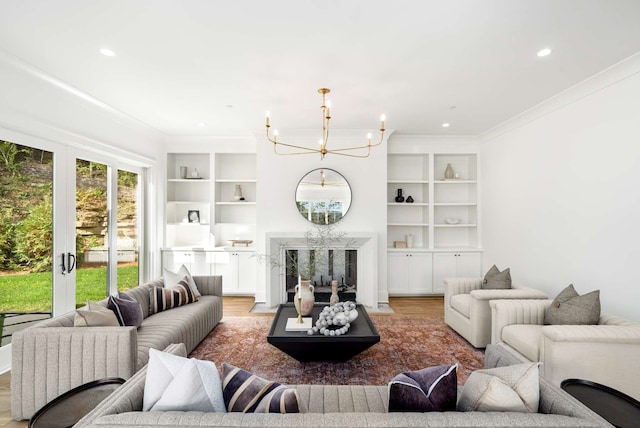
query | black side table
(64,411)
(616,407)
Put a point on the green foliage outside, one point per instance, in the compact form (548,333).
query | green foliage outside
(32,292)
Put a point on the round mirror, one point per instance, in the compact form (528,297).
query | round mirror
(323,196)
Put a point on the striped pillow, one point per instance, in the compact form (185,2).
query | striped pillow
(162,299)
(248,393)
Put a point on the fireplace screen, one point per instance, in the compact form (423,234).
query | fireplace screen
(322,267)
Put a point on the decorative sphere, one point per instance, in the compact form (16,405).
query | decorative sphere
(327,332)
(310,332)
(332,332)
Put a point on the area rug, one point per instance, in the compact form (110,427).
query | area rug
(406,343)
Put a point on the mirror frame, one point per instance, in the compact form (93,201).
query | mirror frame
(306,213)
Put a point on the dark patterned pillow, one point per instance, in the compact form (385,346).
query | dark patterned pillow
(161,299)
(127,309)
(571,308)
(494,279)
(247,393)
(434,389)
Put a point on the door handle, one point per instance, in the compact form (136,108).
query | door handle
(71,262)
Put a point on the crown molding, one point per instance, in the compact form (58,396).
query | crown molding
(618,72)
(21,65)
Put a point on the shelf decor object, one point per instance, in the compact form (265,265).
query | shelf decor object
(448,173)
(399,197)
(356,151)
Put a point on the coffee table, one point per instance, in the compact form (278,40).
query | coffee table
(303,347)
(616,407)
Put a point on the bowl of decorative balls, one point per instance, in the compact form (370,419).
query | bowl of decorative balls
(335,320)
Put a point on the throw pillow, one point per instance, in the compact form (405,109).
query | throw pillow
(248,393)
(172,279)
(95,315)
(161,299)
(494,279)
(433,389)
(571,308)
(127,309)
(503,389)
(182,384)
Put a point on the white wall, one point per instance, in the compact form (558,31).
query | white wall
(561,192)
(279,176)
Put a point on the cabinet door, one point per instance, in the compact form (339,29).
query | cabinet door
(444,266)
(172,260)
(454,265)
(201,264)
(469,265)
(226,265)
(397,273)
(247,272)
(420,273)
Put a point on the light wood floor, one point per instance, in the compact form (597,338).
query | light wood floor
(241,306)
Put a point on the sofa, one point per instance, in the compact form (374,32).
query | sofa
(53,357)
(334,406)
(467,311)
(607,353)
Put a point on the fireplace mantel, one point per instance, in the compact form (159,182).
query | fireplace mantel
(365,243)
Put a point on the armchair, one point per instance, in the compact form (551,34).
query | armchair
(606,353)
(467,311)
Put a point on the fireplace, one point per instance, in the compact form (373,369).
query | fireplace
(352,262)
(337,264)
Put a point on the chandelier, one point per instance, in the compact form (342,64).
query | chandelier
(355,152)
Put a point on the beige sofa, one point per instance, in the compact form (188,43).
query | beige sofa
(467,311)
(52,356)
(335,406)
(607,353)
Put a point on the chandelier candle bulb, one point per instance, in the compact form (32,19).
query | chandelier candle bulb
(267,114)
(382,118)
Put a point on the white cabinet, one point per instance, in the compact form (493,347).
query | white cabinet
(455,264)
(239,272)
(199,262)
(409,273)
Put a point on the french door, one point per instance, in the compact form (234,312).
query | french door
(70,229)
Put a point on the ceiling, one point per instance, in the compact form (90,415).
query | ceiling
(469,63)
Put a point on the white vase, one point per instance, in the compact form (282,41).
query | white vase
(304,298)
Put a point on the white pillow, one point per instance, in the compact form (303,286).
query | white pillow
(171,279)
(503,389)
(183,384)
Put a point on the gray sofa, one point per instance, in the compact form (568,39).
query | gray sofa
(53,357)
(335,406)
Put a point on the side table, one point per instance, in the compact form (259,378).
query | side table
(616,407)
(70,407)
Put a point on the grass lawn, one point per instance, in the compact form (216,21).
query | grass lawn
(32,292)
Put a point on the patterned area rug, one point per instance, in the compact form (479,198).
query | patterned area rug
(406,343)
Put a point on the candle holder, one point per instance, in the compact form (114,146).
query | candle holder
(300,310)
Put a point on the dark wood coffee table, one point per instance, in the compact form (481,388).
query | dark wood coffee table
(303,347)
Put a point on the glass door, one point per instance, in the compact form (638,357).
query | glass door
(129,229)
(91,232)
(26,237)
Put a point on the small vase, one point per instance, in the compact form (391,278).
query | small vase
(399,197)
(334,293)
(304,298)
(409,200)
(448,173)
(238,193)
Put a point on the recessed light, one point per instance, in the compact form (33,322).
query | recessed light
(229,106)
(544,52)
(202,124)
(107,52)
(445,125)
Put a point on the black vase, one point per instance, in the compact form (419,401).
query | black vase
(399,197)
(409,199)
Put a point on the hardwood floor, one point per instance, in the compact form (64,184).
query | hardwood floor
(241,306)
